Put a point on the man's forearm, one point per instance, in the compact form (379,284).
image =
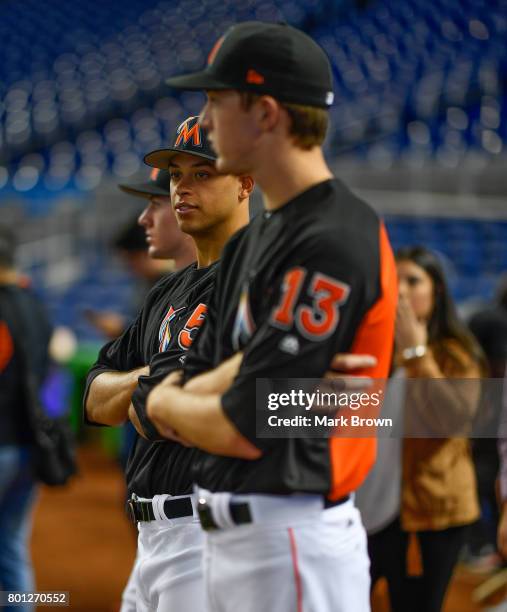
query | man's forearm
(218,380)
(199,420)
(109,396)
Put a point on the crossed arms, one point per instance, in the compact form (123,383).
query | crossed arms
(191,414)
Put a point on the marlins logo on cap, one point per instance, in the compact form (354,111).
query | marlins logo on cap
(187,133)
(190,138)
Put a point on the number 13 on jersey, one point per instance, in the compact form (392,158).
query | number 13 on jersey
(317,321)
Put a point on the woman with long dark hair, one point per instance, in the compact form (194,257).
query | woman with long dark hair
(441,362)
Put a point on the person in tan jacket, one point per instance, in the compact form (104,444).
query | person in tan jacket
(439,365)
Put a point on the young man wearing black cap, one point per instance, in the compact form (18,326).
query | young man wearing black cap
(210,207)
(143,251)
(164,238)
(312,276)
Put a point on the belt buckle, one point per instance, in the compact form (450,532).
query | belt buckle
(205,515)
(131,507)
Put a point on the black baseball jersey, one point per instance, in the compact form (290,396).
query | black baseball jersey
(298,285)
(160,336)
(23,323)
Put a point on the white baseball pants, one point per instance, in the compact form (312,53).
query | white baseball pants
(313,563)
(167,575)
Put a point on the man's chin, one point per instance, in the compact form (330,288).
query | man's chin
(188,228)
(194,230)
(227,166)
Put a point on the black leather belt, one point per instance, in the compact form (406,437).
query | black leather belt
(240,512)
(173,508)
(338,502)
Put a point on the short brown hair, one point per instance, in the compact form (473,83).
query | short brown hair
(308,124)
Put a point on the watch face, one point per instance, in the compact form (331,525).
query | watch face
(414,352)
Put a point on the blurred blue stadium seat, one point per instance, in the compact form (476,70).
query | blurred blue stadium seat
(424,78)
(82,97)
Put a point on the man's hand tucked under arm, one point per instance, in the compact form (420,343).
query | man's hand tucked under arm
(134,419)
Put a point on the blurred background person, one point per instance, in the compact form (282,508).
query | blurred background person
(494,589)
(150,245)
(489,325)
(493,324)
(17,481)
(502,479)
(439,490)
(437,497)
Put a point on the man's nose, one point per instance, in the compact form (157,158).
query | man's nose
(184,185)
(204,119)
(144,217)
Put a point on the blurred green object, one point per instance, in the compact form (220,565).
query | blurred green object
(78,366)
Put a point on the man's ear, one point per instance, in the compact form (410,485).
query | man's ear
(246,185)
(268,112)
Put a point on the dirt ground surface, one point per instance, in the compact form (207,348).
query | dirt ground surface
(83,543)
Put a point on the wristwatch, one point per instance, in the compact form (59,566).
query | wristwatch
(414,352)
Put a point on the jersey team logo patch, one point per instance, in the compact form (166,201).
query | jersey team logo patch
(164,334)
(187,334)
(244,325)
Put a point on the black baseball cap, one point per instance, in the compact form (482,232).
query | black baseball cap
(266,58)
(159,183)
(190,138)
